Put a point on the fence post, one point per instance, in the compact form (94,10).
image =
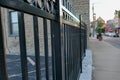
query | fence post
(3,72)
(59,56)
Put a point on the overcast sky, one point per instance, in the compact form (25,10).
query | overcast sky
(104,8)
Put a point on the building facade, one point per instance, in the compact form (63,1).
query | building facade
(11,31)
(82,7)
(117,20)
(11,28)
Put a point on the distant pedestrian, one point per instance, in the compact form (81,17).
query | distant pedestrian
(90,35)
(99,36)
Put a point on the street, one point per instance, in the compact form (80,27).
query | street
(14,67)
(114,41)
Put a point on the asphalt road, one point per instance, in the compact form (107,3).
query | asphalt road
(114,41)
(14,67)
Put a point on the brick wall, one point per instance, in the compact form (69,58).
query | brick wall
(82,7)
(12,42)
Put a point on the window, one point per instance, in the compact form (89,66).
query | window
(13,22)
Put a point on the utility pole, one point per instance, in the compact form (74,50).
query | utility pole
(94,19)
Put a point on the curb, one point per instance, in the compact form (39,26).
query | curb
(87,66)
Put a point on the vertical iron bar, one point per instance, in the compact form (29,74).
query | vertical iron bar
(37,51)
(53,49)
(58,40)
(58,55)
(45,4)
(79,50)
(3,71)
(72,58)
(86,34)
(46,47)
(70,67)
(80,44)
(75,39)
(75,47)
(84,41)
(67,34)
(68,51)
(65,49)
(22,46)
(71,51)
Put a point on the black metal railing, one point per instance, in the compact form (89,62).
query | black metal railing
(72,52)
(74,41)
(49,47)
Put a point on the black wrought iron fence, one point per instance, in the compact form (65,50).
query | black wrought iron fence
(72,52)
(45,47)
(83,42)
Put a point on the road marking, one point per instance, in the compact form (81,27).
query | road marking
(31,61)
(14,75)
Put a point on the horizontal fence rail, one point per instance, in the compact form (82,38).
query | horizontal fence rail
(37,42)
(43,8)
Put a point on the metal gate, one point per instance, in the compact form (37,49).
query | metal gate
(50,43)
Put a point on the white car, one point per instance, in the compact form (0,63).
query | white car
(111,34)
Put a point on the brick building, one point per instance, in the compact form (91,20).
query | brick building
(10,22)
(82,7)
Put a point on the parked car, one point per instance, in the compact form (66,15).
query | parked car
(110,34)
(116,35)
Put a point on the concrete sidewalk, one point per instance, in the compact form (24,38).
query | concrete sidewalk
(106,60)
(87,66)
